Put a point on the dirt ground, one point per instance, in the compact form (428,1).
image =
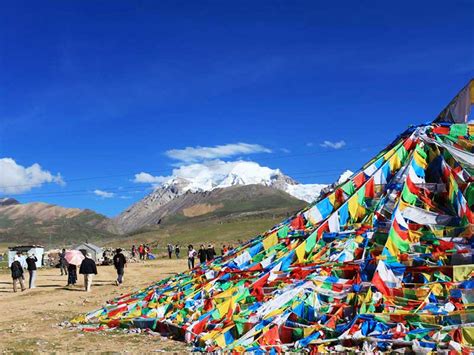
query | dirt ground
(29,320)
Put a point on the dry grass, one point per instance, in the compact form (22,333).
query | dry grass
(29,320)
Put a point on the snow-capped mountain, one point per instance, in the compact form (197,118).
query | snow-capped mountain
(209,177)
(221,175)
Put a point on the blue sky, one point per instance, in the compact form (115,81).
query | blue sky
(99,91)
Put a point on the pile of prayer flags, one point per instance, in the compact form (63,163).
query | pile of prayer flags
(382,262)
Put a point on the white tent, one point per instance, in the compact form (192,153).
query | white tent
(24,250)
(94,250)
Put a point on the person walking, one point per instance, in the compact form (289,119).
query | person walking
(191,255)
(210,252)
(63,262)
(88,269)
(31,267)
(119,262)
(177,251)
(72,275)
(170,250)
(17,273)
(202,254)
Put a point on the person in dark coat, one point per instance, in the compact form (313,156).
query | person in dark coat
(119,262)
(31,263)
(88,269)
(72,275)
(177,251)
(210,252)
(17,273)
(202,254)
(63,262)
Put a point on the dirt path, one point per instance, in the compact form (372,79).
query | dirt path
(29,320)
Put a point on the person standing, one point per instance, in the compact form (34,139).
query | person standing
(134,251)
(224,250)
(146,252)
(177,251)
(170,250)
(31,267)
(88,269)
(17,273)
(63,262)
(141,251)
(72,275)
(210,252)
(119,263)
(202,254)
(191,255)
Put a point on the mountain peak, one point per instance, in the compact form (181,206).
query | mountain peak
(210,178)
(8,201)
(220,175)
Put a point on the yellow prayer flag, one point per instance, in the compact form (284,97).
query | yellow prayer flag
(300,252)
(394,162)
(209,335)
(390,245)
(353,204)
(223,308)
(468,335)
(462,272)
(270,241)
(220,341)
(420,161)
(437,289)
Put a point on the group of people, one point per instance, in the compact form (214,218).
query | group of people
(205,254)
(171,248)
(88,268)
(143,250)
(17,272)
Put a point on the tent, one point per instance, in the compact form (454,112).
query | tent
(381,262)
(24,250)
(95,251)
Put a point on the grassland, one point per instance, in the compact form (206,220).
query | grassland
(217,231)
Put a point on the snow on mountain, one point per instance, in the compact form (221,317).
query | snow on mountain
(305,192)
(344,176)
(187,184)
(217,174)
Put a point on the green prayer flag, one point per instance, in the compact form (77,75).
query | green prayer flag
(348,187)
(283,232)
(458,130)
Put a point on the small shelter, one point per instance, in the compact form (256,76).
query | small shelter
(95,251)
(24,250)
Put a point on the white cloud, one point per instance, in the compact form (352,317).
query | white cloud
(309,144)
(16,179)
(145,178)
(333,145)
(196,154)
(284,150)
(104,194)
